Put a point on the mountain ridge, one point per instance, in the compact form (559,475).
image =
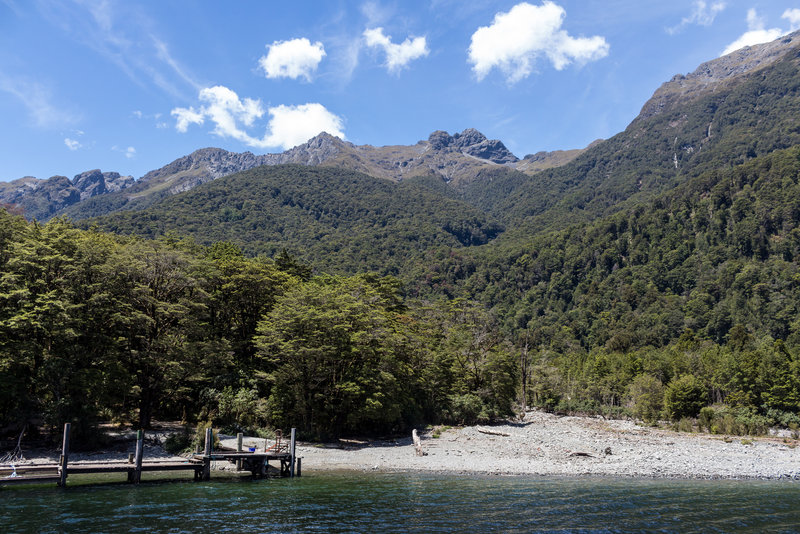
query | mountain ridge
(44,198)
(460,159)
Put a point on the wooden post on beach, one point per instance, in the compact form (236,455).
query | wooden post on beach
(64,455)
(137,470)
(239,437)
(417,442)
(299,467)
(291,449)
(207,454)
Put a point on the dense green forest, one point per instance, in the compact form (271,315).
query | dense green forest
(95,326)
(701,284)
(685,307)
(341,221)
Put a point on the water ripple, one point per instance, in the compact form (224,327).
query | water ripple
(348,502)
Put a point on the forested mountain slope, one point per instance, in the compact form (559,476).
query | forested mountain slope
(340,220)
(721,250)
(730,110)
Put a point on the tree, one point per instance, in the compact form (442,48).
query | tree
(684,397)
(158,318)
(330,350)
(646,394)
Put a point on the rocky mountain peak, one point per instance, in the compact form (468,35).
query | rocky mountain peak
(95,182)
(472,143)
(711,74)
(316,150)
(439,140)
(468,138)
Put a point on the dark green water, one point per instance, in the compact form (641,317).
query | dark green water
(348,502)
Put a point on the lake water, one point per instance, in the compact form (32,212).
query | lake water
(375,502)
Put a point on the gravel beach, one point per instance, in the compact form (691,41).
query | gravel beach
(547,444)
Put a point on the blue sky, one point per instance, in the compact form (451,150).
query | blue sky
(130,86)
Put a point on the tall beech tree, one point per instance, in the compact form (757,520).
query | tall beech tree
(331,353)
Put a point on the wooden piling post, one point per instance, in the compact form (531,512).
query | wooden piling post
(137,470)
(299,467)
(64,455)
(239,437)
(207,454)
(291,450)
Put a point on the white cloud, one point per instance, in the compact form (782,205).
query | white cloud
(702,14)
(226,110)
(517,38)
(72,144)
(292,59)
(400,55)
(294,125)
(793,16)
(755,34)
(186,116)
(289,126)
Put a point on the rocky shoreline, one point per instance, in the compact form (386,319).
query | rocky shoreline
(550,445)
(543,444)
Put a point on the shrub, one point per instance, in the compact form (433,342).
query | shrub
(783,419)
(736,421)
(178,442)
(706,418)
(646,394)
(467,409)
(685,425)
(199,441)
(684,397)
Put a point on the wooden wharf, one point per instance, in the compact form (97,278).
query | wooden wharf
(257,463)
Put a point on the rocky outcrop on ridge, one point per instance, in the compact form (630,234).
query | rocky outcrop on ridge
(712,74)
(472,143)
(41,199)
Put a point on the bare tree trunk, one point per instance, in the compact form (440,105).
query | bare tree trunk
(16,454)
(417,442)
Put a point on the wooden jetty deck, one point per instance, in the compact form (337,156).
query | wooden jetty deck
(257,463)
